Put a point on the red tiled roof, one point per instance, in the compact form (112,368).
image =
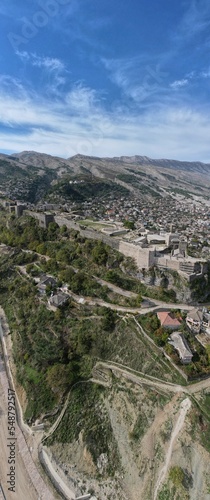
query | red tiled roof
(167,320)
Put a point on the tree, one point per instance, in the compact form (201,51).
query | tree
(64,230)
(52,231)
(67,275)
(208,352)
(60,377)
(63,255)
(100,253)
(42,248)
(108,321)
(129,224)
(29,268)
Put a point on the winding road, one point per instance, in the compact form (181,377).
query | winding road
(30,484)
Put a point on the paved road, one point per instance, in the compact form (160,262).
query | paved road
(116,289)
(156,302)
(30,484)
(93,301)
(24,488)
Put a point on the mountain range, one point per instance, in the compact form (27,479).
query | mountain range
(30,175)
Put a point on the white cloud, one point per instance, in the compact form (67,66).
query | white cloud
(205,74)
(138,78)
(53,69)
(49,63)
(80,124)
(179,83)
(82,100)
(195,20)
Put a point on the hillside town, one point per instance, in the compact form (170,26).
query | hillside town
(167,235)
(166,232)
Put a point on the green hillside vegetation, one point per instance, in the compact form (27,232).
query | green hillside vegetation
(59,352)
(62,344)
(49,346)
(141,186)
(68,248)
(25,184)
(7,170)
(86,187)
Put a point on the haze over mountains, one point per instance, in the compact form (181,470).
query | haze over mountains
(137,174)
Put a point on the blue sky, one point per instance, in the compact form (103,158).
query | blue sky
(106,78)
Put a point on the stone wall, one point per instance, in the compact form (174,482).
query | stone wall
(166,262)
(144,257)
(88,233)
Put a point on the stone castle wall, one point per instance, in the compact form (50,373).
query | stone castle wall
(88,233)
(167,263)
(144,257)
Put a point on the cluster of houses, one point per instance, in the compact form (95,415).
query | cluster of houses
(57,298)
(176,338)
(198,322)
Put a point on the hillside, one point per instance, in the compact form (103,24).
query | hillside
(36,173)
(120,420)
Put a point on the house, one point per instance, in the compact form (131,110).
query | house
(178,341)
(168,321)
(44,282)
(194,320)
(59,299)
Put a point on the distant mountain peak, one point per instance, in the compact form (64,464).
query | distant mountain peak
(139,175)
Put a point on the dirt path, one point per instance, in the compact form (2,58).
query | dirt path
(184,407)
(156,304)
(131,480)
(140,378)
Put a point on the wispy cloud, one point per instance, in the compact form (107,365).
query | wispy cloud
(7,9)
(193,76)
(54,69)
(49,63)
(195,20)
(179,83)
(138,78)
(205,74)
(79,123)
(82,100)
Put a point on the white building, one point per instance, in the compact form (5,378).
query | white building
(178,341)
